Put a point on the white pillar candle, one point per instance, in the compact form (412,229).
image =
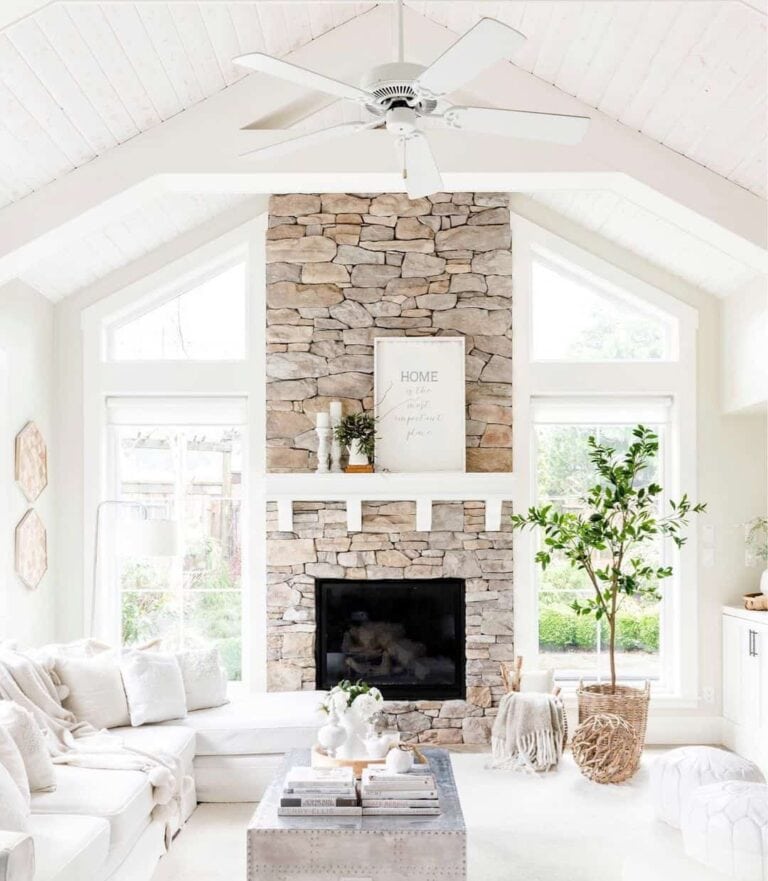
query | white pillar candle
(335,412)
(323,420)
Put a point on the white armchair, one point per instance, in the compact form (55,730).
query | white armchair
(17,856)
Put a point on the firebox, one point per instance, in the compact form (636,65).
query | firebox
(406,637)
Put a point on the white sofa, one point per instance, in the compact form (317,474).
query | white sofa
(96,825)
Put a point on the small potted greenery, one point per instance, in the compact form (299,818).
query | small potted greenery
(756,538)
(620,514)
(357,432)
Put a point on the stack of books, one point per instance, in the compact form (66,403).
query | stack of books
(413,794)
(311,792)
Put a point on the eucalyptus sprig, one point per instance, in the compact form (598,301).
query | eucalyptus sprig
(604,539)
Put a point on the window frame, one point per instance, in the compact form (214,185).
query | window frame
(104,378)
(166,293)
(675,379)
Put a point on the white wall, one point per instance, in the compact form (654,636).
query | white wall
(26,370)
(744,352)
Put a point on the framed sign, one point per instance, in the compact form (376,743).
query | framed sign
(419,396)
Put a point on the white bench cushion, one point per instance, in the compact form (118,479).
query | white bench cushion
(123,798)
(676,774)
(725,827)
(273,722)
(69,848)
(174,740)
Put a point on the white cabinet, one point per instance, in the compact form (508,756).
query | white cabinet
(745,683)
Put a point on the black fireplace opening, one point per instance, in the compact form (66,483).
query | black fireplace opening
(405,637)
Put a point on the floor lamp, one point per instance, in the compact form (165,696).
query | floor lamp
(144,537)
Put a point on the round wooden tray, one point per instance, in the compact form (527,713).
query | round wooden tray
(321,759)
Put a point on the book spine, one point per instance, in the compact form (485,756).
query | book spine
(345,792)
(401,812)
(394,794)
(401,803)
(319,812)
(291,802)
(427,783)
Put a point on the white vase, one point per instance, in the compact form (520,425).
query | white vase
(332,735)
(354,746)
(356,455)
(764,582)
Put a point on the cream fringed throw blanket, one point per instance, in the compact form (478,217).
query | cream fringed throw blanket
(71,742)
(528,732)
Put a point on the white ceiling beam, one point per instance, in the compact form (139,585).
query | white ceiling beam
(198,150)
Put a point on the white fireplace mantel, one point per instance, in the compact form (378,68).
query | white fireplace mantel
(423,488)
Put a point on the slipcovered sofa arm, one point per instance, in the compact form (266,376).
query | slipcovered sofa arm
(17,856)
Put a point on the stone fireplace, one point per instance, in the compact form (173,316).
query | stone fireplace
(406,637)
(341,270)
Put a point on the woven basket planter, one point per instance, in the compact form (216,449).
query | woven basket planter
(631,704)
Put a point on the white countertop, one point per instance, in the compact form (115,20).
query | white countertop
(740,612)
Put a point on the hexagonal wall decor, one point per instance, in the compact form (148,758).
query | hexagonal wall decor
(31,549)
(31,461)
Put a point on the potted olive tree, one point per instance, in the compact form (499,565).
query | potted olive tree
(621,513)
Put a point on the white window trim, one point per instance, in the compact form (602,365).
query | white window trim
(103,379)
(676,379)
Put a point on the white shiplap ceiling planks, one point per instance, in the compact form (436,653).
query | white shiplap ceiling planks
(660,242)
(82,260)
(79,78)
(690,75)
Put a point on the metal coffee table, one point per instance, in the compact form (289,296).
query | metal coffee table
(386,848)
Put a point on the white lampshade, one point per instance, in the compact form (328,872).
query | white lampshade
(147,538)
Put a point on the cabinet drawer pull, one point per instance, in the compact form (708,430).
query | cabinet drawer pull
(751,643)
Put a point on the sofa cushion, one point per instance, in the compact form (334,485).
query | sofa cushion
(14,807)
(69,848)
(12,761)
(95,687)
(205,680)
(29,739)
(174,740)
(123,798)
(273,722)
(154,687)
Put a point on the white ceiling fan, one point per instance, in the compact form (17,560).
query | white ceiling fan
(399,95)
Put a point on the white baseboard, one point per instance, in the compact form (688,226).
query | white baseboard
(667,728)
(676,730)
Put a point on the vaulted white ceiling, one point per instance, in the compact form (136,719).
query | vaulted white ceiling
(79,78)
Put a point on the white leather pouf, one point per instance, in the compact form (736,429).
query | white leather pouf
(675,775)
(725,827)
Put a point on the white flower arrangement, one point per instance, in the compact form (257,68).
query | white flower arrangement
(364,700)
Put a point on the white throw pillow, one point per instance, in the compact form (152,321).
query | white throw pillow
(205,682)
(11,760)
(95,687)
(537,680)
(154,687)
(30,740)
(14,812)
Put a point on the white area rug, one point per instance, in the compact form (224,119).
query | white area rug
(552,827)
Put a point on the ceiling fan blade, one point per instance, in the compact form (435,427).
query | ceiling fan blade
(300,75)
(555,127)
(421,174)
(483,45)
(309,139)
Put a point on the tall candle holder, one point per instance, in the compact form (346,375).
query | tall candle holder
(323,447)
(335,414)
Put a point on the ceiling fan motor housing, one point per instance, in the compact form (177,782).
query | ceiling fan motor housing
(392,86)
